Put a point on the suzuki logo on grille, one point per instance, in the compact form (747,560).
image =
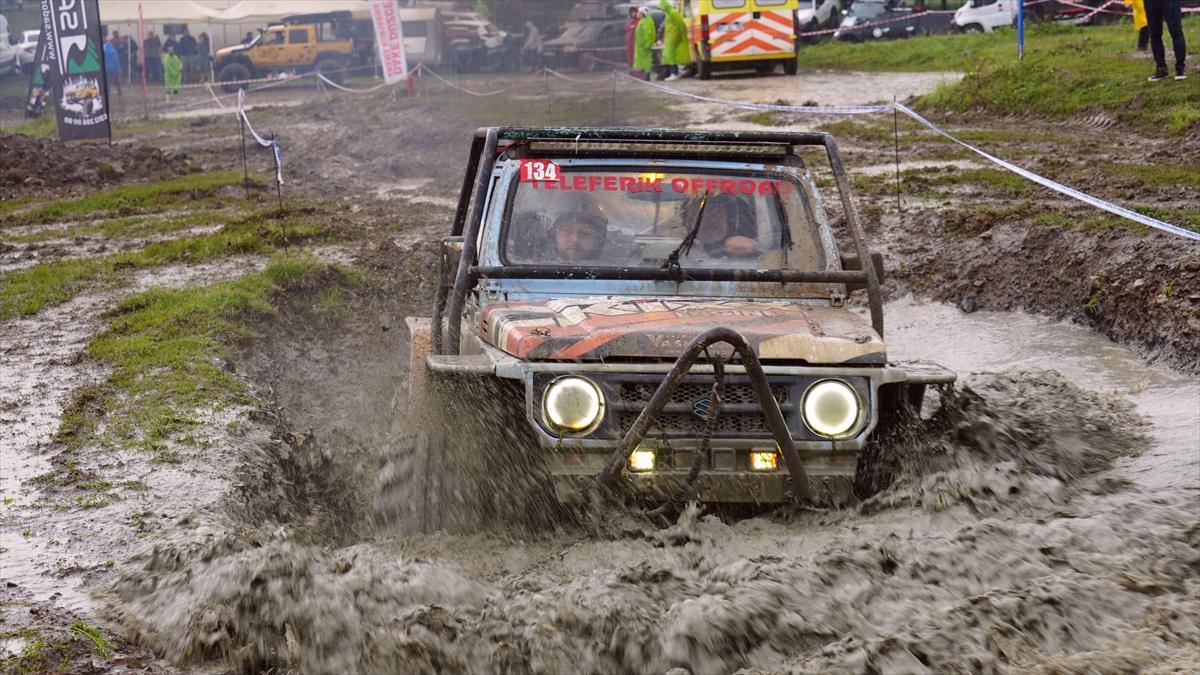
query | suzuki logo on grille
(700,407)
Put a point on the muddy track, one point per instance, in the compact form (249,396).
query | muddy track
(1038,526)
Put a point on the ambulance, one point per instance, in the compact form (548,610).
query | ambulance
(742,34)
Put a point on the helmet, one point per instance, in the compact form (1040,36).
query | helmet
(581,207)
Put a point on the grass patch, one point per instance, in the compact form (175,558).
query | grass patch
(167,352)
(43,127)
(129,226)
(29,290)
(99,643)
(1159,175)
(131,199)
(1068,70)
(38,656)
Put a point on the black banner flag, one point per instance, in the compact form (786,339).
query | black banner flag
(75,56)
(39,81)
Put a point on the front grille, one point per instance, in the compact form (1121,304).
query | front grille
(746,420)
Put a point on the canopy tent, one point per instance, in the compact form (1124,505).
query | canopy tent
(176,11)
(264,11)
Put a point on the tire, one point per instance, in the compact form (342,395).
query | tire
(233,72)
(407,498)
(704,69)
(791,66)
(879,463)
(332,67)
(973,28)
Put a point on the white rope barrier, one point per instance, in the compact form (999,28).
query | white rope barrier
(1024,173)
(273,144)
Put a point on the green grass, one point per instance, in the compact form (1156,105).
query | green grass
(1160,175)
(29,290)
(44,126)
(166,352)
(130,199)
(1067,71)
(129,226)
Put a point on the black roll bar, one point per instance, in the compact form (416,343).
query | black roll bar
(874,295)
(851,277)
(762,390)
(470,239)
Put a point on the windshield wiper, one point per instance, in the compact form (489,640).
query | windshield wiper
(685,246)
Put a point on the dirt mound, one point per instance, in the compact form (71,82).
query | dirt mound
(29,164)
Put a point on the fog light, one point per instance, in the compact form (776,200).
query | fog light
(641,460)
(764,461)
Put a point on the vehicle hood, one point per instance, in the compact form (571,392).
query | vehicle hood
(226,51)
(601,328)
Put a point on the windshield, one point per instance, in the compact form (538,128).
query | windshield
(628,218)
(867,10)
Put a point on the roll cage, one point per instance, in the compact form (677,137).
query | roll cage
(514,142)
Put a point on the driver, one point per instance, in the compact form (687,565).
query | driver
(580,232)
(728,230)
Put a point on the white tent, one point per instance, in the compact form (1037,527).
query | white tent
(160,11)
(248,11)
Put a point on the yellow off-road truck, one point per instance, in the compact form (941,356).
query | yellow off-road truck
(325,42)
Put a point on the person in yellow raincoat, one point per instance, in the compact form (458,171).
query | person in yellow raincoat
(676,51)
(172,71)
(643,43)
(1140,23)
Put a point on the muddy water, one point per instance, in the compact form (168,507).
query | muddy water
(1013,544)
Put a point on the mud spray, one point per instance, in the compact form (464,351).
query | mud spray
(1006,544)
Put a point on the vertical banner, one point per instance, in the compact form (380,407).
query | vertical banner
(74,54)
(39,81)
(385,14)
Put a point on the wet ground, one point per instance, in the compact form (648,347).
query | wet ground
(1048,522)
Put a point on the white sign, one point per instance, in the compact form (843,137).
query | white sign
(385,14)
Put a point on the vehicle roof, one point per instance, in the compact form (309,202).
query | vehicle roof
(695,143)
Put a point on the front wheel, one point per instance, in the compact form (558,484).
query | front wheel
(791,66)
(332,68)
(704,69)
(973,28)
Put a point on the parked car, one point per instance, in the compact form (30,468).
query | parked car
(815,15)
(604,38)
(10,59)
(890,20)
(476,44)
(27,49)
(985,16)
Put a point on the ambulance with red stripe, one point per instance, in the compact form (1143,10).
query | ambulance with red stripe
(742,34)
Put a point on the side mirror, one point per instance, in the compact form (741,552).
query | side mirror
(852,263)
(14,39)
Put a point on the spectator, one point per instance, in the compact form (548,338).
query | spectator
(676,51)
(248,39)
(172,43)
(187,54)
(172,70)
(133,65)
(532,49)
(1139,23)
(1170,11)
(643,48)
(204,58)
(112,63)
(630,29)
(153,58)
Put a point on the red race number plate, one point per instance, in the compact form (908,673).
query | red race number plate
(539,170)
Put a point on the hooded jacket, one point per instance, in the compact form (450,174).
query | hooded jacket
(643,47)
(675,44)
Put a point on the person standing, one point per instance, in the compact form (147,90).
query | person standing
(1139,23)
(643,48)
(172,70)
(204,58)
(153,58)
(187,54)
(532,49)
(676,53)
(630,29)
(112,63)
(1170,12)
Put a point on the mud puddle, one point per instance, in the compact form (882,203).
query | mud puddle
(1011,544)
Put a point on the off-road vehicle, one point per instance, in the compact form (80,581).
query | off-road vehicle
(661,314)
(325,42)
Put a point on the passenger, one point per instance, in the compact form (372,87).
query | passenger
(728,229)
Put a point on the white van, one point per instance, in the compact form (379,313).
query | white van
(984,16)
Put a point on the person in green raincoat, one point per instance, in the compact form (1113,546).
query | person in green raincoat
(643,43)
(676,51)
(172,70)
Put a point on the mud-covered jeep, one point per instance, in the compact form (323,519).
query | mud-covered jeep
(659,313)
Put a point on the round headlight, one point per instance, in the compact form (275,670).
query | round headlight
(831,409)
(572,404)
